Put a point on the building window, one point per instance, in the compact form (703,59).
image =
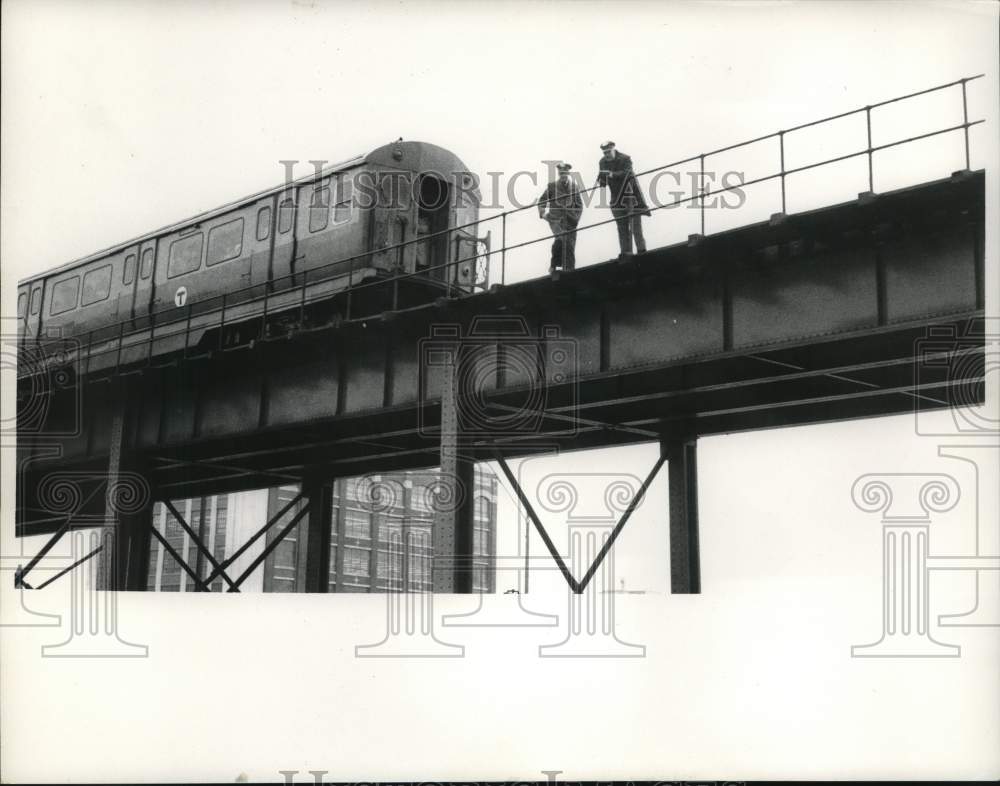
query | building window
(319,210)
(147,264)
(285,212)
(356,561)
(128,272)
(219,534)
(185,255)
(390,569)
(357,523)
(225,242)
(64,296)
(96,285)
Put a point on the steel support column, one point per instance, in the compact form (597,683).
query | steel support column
(682,466)
(139,529)
(318,493)
(123,562)
(453,518)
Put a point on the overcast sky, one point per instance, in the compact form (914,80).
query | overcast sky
(121,117)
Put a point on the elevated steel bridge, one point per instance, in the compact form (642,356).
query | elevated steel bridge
(865,308)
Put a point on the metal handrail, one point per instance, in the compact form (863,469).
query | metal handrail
(326,272)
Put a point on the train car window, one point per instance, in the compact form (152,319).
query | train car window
(64,295)
(263,223)
(285,211)
(128,272)
(22,305)
(185,255)
(96,285)
(225,242)
(319,210)
(146,270)
(345,194)
(36,301)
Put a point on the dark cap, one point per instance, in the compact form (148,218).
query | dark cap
(608,144)
(564,167)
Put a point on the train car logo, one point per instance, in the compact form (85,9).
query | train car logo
(180,296)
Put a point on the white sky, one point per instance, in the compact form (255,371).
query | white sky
(118,118)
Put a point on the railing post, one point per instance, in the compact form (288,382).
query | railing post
(118,356)
(450,268)
(701,191)
(152,330)
(302,301)
(399,269)
(781,144)
(868,122)
(965,122)
(90,347)
(503,249)
(263,321)
(350,288)
(187,330)
(222,321)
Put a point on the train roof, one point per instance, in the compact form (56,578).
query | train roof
(424,156)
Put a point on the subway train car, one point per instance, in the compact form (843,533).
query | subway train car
(379,232)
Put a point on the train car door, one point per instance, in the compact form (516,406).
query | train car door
(406,219)
(142,300)
(384,223)
(23,293)
(283,239)
(469,252)
(261,240)
(126,292)
(33,316)
(433,212)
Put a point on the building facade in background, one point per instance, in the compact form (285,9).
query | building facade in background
(380,537)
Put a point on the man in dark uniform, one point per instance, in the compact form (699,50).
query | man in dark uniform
(627,203)
(564,204)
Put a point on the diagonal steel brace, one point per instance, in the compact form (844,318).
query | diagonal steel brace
(270,547)
(198,583)
(19,582)
(236,555)
(578,586)
(197,542)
